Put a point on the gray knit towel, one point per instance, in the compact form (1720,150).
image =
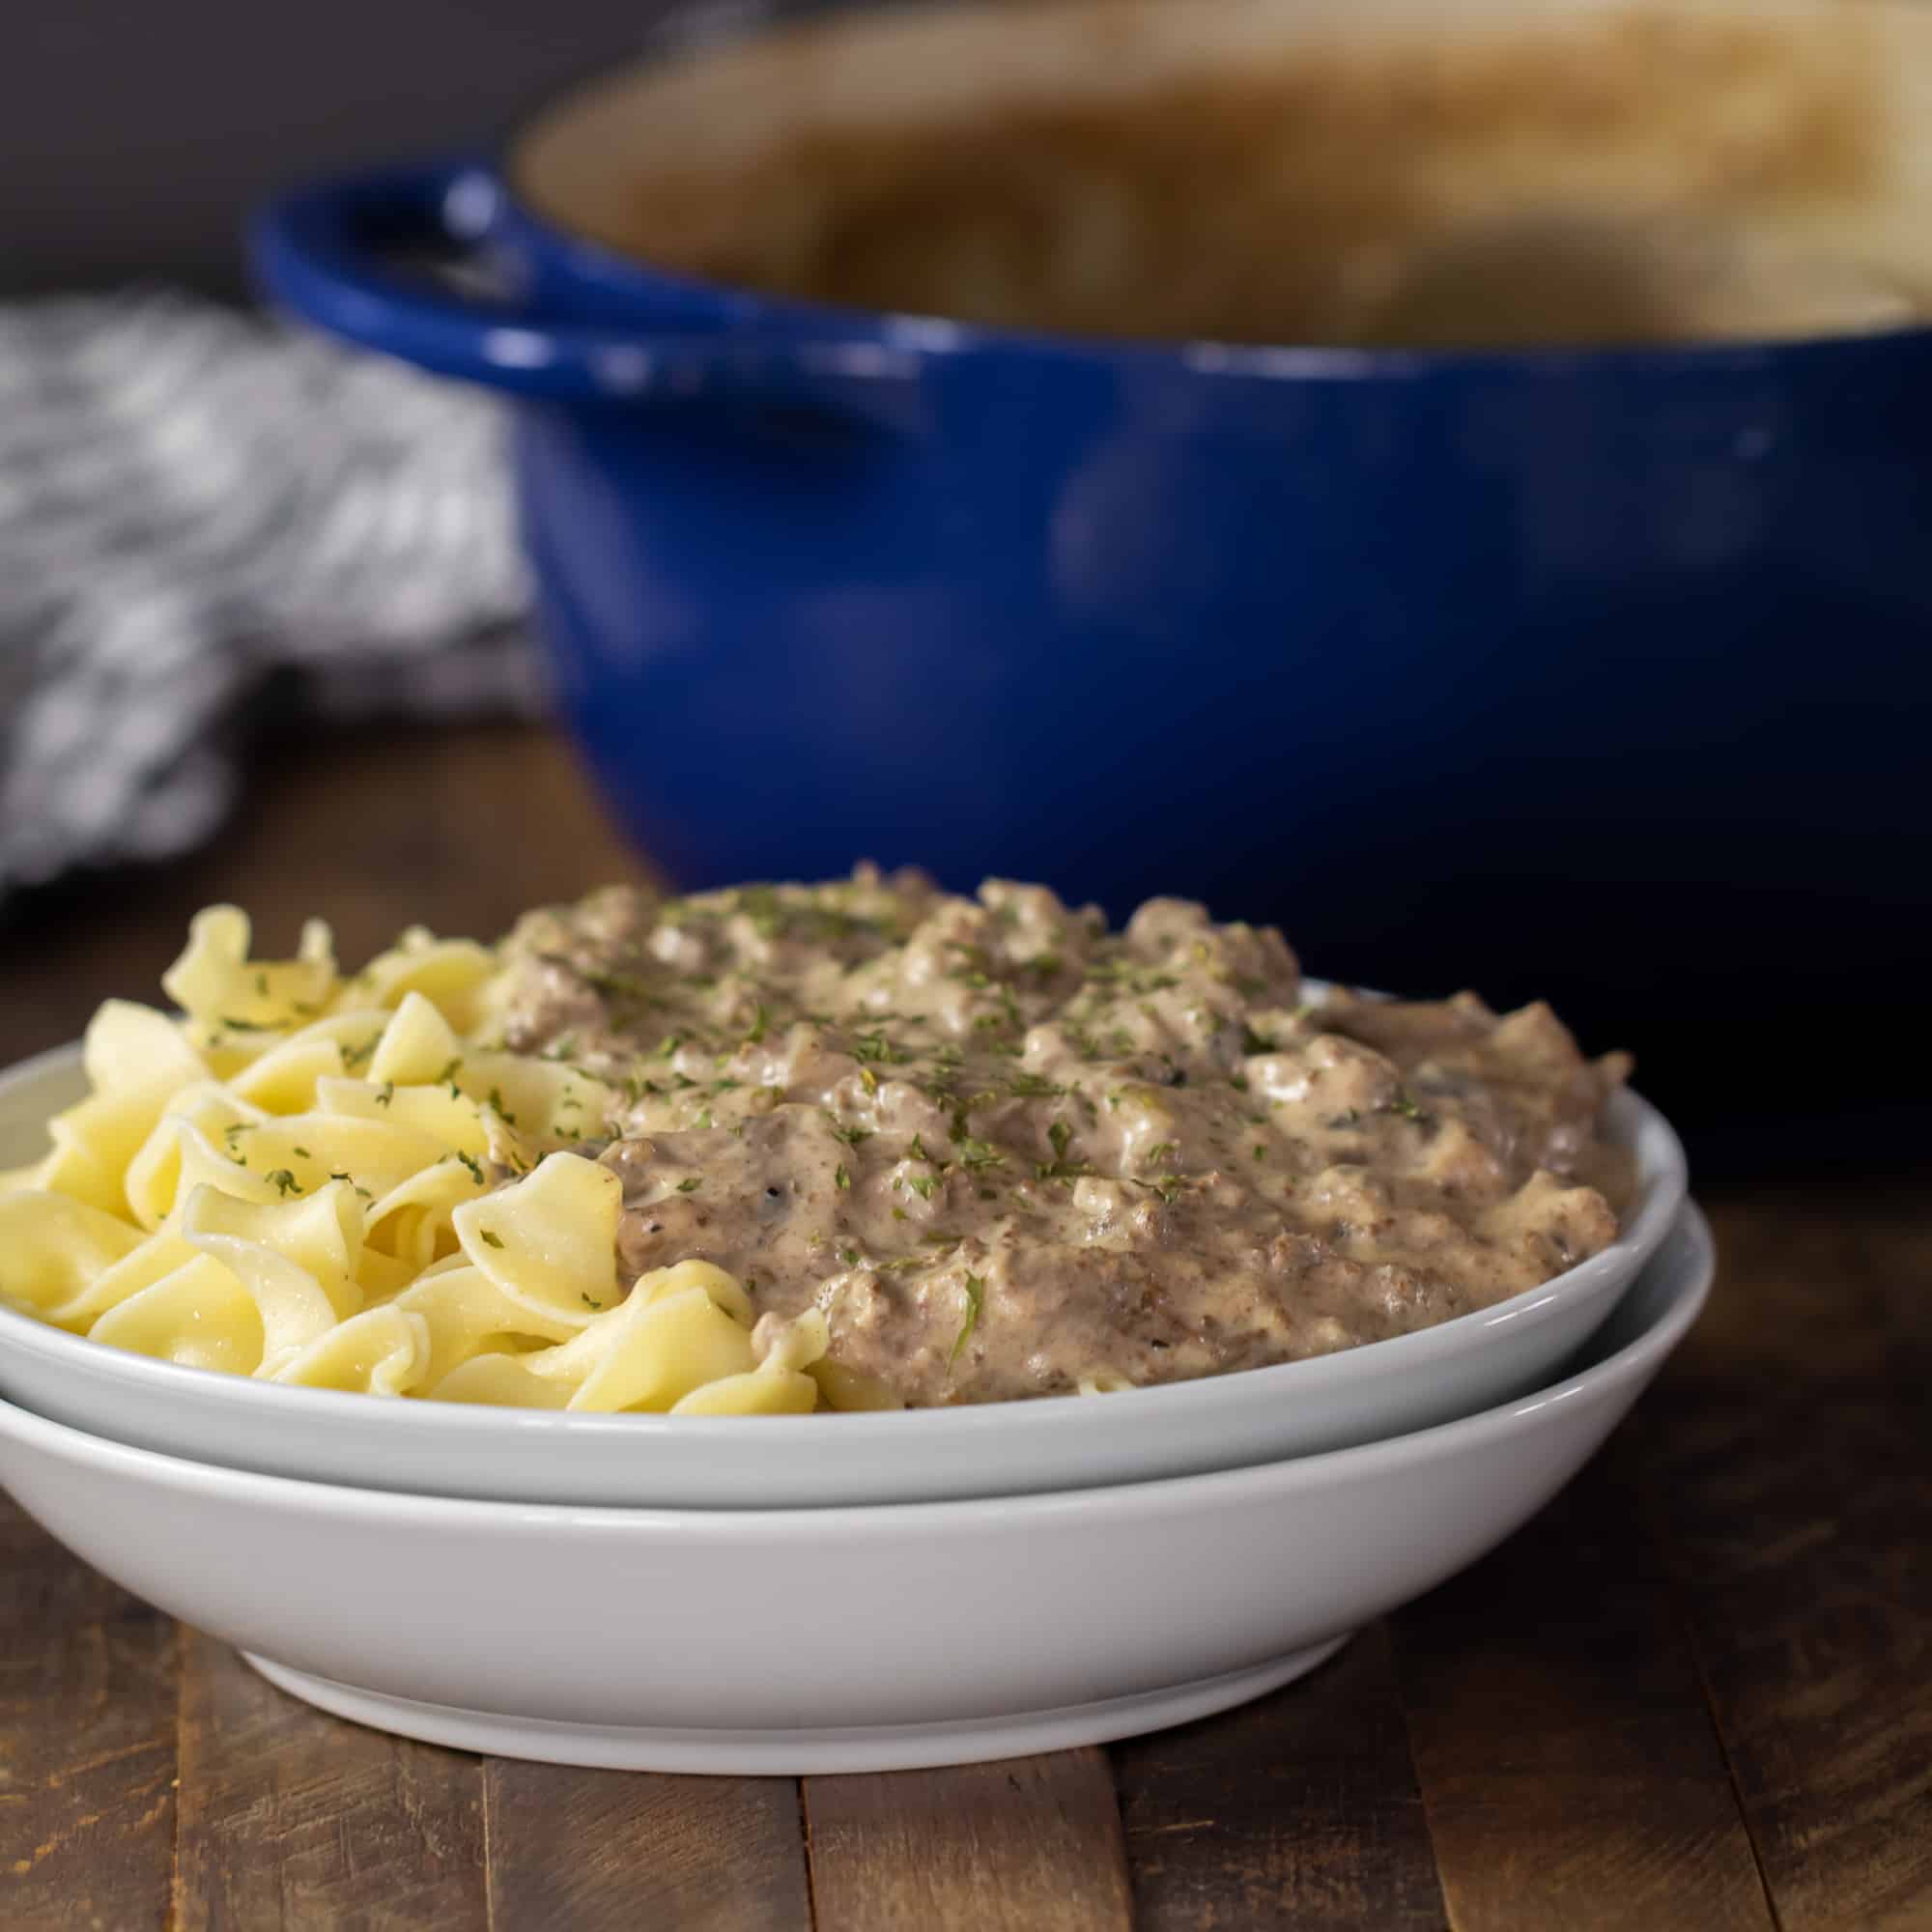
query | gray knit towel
(192,500)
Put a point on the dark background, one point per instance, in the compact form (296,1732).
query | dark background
(137,132)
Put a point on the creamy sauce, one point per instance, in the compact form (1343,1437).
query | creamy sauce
(1007,1151)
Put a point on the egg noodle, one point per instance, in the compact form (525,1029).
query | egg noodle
(336,1183)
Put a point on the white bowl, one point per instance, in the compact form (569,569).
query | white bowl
(1329,1402)
(835,1639)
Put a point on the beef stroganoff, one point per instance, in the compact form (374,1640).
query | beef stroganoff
(765,1151)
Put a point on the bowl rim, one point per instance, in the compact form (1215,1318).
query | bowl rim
(1663,1176)
(487,204)
(1636,1360)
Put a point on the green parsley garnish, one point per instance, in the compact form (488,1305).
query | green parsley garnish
(489,1239)
(283,1182)
(385,1093)
(848,1257)
(1032,1087)
(762,1020)
(1124,973)
(691,1183)
(1060,1134)
(976,1297)
(1053,1170)
(1081,1040)
(616,985)
(589,1303)
(502,1113)
(923,1185)
(473,1165)
(839,1177)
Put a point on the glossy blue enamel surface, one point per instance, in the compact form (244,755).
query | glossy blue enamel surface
(1597,674)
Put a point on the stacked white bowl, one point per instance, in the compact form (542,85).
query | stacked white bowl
(834,1592)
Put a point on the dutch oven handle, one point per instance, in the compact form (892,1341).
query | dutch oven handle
(328,254)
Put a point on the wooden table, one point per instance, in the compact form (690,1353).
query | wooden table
(1696,1692)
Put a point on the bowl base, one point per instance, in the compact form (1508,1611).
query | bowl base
(786,1753)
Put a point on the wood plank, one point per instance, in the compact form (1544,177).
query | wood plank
(1828,1286)
(87,1743)
(1567,1759)
(291,1818)
(1302,1809)
(1785,1467)
(604,1851)
(457,830)
(1032,1844)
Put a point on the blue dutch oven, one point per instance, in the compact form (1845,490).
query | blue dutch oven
(1600,675)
